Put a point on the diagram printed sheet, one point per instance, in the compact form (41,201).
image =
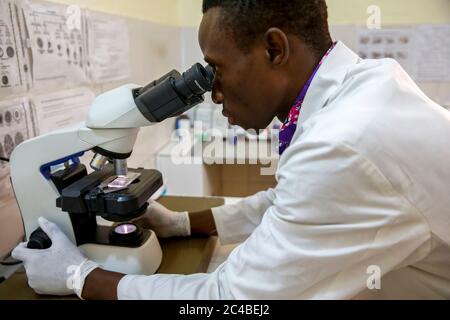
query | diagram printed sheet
(16,126)
(108,47)
(433,52)
(14,68)
(57,43)
(61,109)
(395,43)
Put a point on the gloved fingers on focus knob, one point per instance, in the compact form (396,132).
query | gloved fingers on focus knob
(20,252)
(49,228)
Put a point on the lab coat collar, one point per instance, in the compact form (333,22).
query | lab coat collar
(327,80)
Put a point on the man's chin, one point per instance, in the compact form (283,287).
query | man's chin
(235,122)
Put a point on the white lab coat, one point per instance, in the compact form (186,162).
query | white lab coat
(365,182)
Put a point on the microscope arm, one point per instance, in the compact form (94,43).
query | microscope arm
(29,160)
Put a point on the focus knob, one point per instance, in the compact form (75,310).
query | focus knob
(39,240)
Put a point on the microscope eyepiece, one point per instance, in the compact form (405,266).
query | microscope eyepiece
(198,80)
(194,82)
(174,93)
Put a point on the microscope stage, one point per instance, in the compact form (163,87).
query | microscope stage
(88,195)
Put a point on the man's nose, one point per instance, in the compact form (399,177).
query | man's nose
(216,95)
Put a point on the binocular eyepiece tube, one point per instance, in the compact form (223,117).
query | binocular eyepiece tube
(174,93)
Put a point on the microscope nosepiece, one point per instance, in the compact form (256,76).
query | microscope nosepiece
(98,162)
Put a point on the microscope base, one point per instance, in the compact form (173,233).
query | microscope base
(144,260)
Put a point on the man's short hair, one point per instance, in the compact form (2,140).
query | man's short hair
(248,20)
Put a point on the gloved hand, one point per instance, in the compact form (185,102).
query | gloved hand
(58,270)
(164,222)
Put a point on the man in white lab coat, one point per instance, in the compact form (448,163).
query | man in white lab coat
(363,179)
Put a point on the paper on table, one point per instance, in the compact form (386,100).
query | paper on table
(14,70)
(58,49)
(16,126)
(395,43)
(433,52)
(108,48)
(61,109)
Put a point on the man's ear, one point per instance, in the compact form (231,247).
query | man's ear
(277,46)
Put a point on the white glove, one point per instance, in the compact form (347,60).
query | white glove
(58,270)
(164,222)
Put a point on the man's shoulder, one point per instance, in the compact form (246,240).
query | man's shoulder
(370,101)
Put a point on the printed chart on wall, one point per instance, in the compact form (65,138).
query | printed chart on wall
(58,47)
(14,69)
(61,109)
(108,47)
(433,52)
(422,50)
(16,126)
(395,43)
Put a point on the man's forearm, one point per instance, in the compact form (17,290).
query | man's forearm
(101,285)
(202,222)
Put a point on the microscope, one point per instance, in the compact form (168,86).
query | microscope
(50,181)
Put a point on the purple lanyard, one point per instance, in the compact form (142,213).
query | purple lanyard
(288,129)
